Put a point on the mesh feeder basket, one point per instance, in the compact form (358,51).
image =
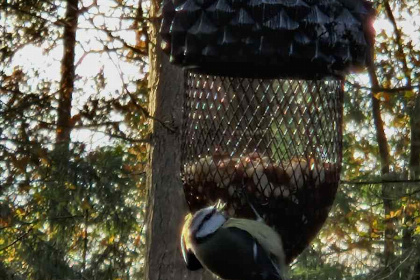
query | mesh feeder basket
(263,107)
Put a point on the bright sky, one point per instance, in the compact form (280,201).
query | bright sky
(89,40)
(48,65)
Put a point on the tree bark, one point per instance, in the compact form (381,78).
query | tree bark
(166,205)
(415,111)
(389,248)
(67,76)
(415,140)
(414,174)
(414,162)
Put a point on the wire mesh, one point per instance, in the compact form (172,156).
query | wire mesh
(272,143)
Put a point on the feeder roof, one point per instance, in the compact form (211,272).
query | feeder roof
(263,38)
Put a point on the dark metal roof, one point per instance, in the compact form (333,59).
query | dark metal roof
(263,38)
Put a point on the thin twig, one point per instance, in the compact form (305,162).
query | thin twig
(396,268)
(382,89)
(134,100)
(17,240)
(378,182)
(23,223)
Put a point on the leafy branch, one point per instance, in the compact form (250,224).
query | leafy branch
(19,238)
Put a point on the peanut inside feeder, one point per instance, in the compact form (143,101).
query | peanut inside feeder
(273,143)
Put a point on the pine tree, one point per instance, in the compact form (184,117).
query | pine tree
(69,210)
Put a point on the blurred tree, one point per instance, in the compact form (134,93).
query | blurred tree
(71,208)
(373,228)
(66,87)
(74,209)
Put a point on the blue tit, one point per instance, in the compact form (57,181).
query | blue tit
(237,249)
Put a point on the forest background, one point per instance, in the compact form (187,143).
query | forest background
(74,135)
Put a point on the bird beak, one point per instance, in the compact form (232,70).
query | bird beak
(219,205)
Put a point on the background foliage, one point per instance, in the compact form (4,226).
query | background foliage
(72,205)
(73,136)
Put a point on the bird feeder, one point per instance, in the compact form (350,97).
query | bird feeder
(263,104)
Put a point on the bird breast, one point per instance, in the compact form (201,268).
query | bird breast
(232,253)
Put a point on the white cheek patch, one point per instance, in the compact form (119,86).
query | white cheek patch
(210,226)
(199,217)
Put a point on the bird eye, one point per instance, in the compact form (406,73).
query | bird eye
(209,215)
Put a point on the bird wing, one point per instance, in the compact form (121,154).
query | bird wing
(265,235)
(190,259)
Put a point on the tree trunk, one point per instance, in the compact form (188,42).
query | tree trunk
(415,140)
(166,204)
(413,268)
(415,112)
(67,76)
(414,163)
(389,248)
(64,127)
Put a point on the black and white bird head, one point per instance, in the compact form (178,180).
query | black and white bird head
(206,222)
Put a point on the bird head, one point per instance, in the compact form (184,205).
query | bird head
(206,221)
